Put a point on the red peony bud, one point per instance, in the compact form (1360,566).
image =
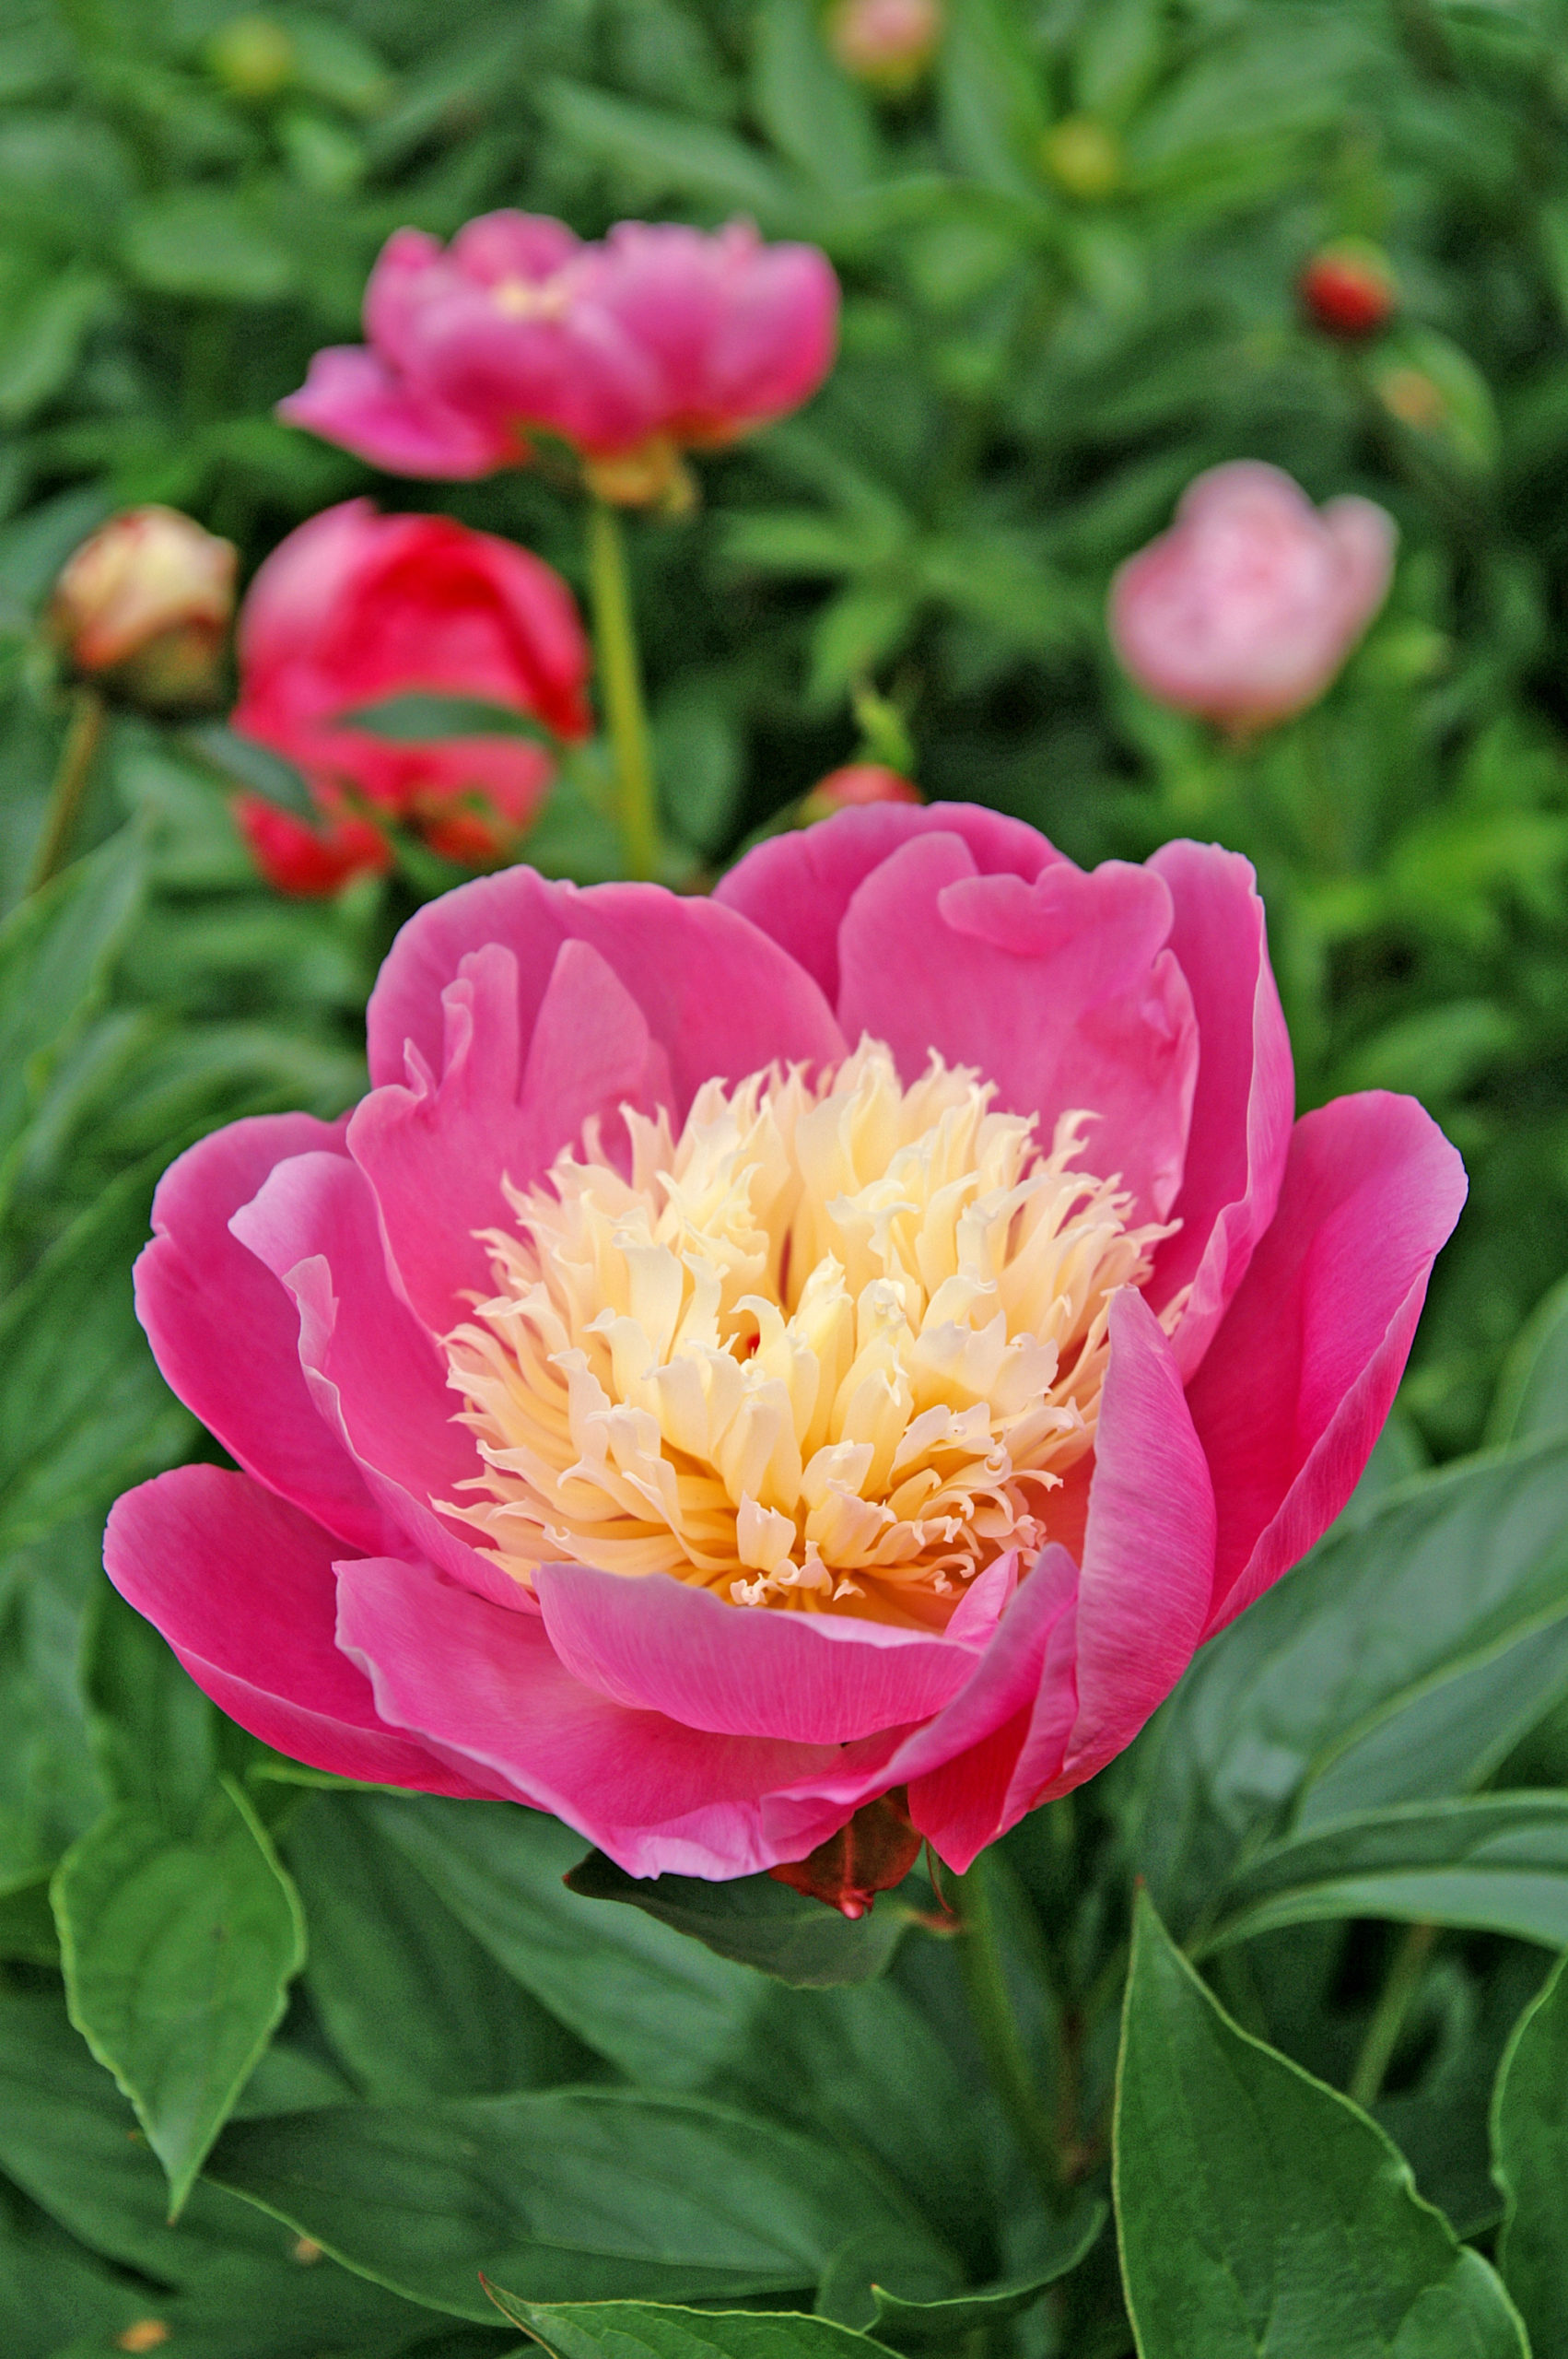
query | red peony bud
(307,861)
(855,785)
(876,1851)
(1348,289)
(888,44)
(145,605)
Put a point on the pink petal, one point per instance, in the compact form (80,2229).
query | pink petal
(797,887)
(435,1152)
(224,1334)
(486,1691)
(717,996)
(353,398)
(1366,537)
(1149,1548)
(377,1376)
(1301,1372)
(1060,992)
(1244,1102)
(242,1588)
(661,1645)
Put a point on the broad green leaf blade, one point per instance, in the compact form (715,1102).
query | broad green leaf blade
(153,1731)
(661,2330)
(241,762)
(50,1789)
(178,1954)
(417,718)
(1529,2144)
(918,2327)
(1260,2215)
(760,1923)
(561,2194)
(1531,1399)
(1498,1863)
(55,950)
(1448,1571)
(413,2005)
(662,2008)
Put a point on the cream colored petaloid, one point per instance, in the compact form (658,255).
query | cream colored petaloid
(830,1348)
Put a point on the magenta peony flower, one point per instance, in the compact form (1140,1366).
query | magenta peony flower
(745,1356)
(658,337)
(355,608)
(1248,607)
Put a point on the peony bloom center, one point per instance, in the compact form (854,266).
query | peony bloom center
(831,1349)
(833,1346)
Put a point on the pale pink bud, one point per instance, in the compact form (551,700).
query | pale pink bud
(1245,610)
(854,786)
(886,42)
(146,603)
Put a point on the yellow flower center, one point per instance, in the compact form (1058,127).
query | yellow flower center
(829,1348)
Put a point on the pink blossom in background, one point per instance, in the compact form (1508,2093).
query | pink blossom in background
(657,337)
(854,1335)
(855,785)
(888,44)
(355,608)
(1245,611)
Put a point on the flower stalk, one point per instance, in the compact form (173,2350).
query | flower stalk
(84,735)
(620,672)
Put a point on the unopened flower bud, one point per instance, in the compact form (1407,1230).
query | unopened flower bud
(253,57)
(888,44)
(144,606)
(1347,290)
(1082,156)
(854,786)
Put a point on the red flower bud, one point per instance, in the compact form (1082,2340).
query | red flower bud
(145,605)
(309,862)
(1348,289)
(888,44)
(855,785)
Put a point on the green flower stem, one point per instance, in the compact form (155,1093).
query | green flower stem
(84,733)
(1388,2018)
(1007,2060)
(620,675)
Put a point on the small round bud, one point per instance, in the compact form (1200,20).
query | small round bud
(888,44)
(144,606)
(855,786)
(1082,156)
(253,57)
(1413,397)
(1347,290)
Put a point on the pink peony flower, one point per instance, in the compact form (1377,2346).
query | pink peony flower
(855,1335)
(355,608)
(1248,607)
(657,337)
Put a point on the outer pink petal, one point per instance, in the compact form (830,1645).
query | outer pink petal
(661,1645)
(436,1152)
(797,887)
(225,1333)
(1245,1098)
(375,1373)
(1149,1548)
(352,397)
(718,996)
(1060,992)
(487,1690)
(242,1588)
(1303,1370)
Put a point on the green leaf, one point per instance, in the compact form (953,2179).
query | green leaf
(27,1924)
(1498,1863)
(1447,1573)
(417,718)
(241,762)
(55,951)
(178,1955)
(83,1410)
(661,2007)
(918,2327)
(412,2002)
(209,242)
(153,1731)
(812,113)
(760,1923)
(855,631)
(44,339)
(562,2194)
(662,2330)
(1529,2144)
(1531,1399)
(670,153)
(50,1789)
(1260,2215)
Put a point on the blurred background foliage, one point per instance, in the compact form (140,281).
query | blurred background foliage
(1071,261)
